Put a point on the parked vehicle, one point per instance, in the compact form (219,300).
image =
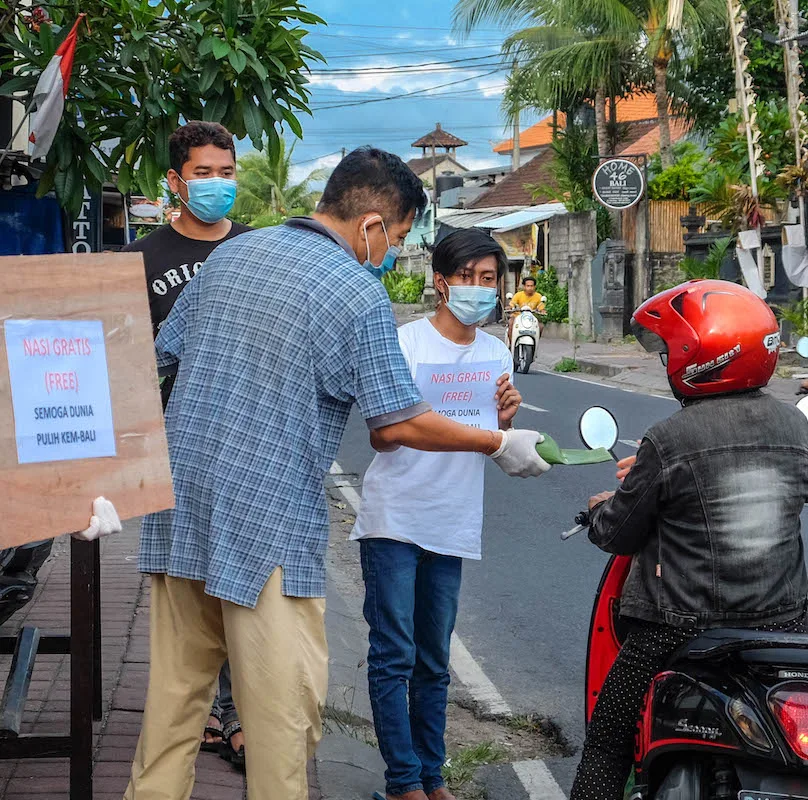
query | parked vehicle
(727,718)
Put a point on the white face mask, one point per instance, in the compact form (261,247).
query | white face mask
(470,304)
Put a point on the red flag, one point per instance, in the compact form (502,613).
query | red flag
(50,93)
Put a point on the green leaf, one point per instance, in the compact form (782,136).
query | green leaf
(216,108)
(196,26)
(161,145)
(94,167)
(230,13)
(220,49)
(258,68)
(127,55)
(206,45)
(293,123)
(254,123)
(125,178)
(18,84)
(237,60)
(153,107)
(246,48)
(45,182)
(46,42)
(279,64)
(197,8)
(209,73)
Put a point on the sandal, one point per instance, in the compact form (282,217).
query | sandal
(236,758)
(213,746)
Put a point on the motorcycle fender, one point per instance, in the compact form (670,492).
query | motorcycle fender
(683,782)
(525,340)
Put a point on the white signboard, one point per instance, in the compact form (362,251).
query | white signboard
(59,389)
(462,392)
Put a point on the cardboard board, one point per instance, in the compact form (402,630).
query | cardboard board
(49,498)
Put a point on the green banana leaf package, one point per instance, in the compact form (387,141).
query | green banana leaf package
(553,454)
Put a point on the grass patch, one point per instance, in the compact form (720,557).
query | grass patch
(567,365)
(459,769)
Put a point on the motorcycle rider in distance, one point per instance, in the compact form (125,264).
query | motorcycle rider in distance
(709,511)
(529,298)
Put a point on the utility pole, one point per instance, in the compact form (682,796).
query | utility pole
(746,101)
(788,17)
(516,155)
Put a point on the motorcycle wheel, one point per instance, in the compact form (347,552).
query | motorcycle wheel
(524,358)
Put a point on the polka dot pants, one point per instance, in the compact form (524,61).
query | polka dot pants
(608,753)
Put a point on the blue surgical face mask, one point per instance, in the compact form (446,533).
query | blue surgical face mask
(210,199)
(389,260)
(471,304)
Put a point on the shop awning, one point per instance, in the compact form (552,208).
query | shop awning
(519,219)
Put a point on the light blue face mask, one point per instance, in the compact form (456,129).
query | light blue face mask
(471,304)
(211,199)
(389,260)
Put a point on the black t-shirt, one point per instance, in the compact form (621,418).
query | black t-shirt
(171,261)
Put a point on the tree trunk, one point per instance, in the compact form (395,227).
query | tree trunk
(661,91)
(600,123)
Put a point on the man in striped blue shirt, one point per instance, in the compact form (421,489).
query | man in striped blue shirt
(261,400)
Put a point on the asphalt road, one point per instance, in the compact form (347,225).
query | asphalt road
(525,607)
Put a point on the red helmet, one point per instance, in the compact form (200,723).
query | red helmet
(719,337)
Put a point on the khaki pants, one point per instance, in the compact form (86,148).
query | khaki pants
(279,666)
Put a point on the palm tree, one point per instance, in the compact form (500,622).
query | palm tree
(563,65)
(264,188)
(619,26)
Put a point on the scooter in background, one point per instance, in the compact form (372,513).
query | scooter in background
(525,336)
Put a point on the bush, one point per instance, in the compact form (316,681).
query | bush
(675,183)
(403,288)
(557,301)
(567,365)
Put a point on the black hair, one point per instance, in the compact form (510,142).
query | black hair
(368,179)
(529,278)
(459,248)
(197,134)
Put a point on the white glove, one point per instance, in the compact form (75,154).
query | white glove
(517,454)
(103,522)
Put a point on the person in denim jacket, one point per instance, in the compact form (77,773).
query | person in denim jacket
(709,508)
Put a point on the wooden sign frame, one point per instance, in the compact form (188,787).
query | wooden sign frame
(43,500)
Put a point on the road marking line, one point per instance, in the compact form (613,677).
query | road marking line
(470,674)
(538,781)
(629,442)
(534,408)
(350,494)
(644,392)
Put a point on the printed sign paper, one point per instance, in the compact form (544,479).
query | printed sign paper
(462,392)
(59,389)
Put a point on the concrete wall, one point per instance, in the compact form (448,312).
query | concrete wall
(573,244)
(665,270)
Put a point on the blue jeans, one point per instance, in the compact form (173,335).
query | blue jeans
(411,598)
(223,705)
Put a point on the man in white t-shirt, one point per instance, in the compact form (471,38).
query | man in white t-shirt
(422,513)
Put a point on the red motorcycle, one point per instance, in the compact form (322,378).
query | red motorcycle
(728,717)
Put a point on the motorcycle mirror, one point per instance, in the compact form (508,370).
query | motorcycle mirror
(509,296)
(802,346)
(544,298)
(802,405)
(598,428)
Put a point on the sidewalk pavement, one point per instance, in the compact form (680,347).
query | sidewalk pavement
(348,768)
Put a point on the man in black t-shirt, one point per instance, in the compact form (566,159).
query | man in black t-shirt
(203,176)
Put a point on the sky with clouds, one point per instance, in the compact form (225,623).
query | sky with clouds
(373,51)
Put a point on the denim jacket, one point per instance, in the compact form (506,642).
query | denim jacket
(711,515)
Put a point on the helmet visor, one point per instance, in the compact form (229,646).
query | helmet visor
(651,342)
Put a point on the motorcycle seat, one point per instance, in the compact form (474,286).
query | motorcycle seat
(770,647)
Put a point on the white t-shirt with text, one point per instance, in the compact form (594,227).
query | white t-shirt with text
(433,500)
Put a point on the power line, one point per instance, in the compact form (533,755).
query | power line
(455,63)
(408,94)
(425,51)
(316,158)
(403,27)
